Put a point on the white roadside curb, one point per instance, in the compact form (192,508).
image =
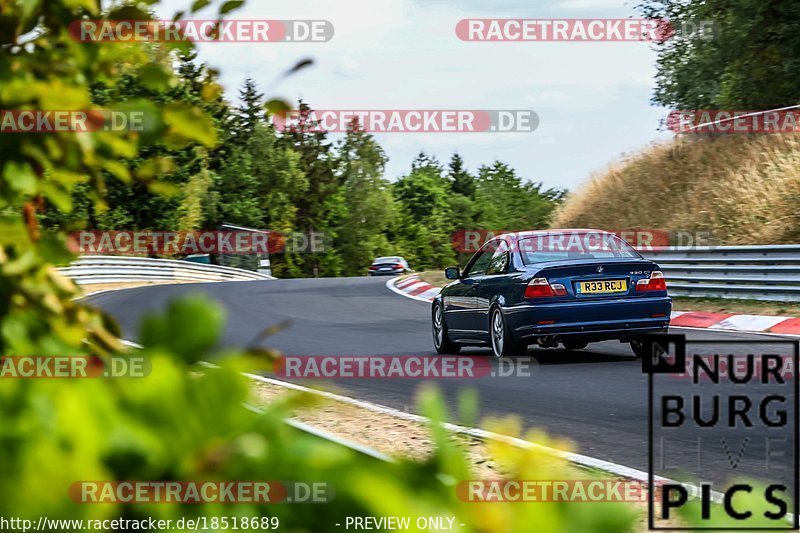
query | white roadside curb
(426,296)
(481,434)
(575,458)
(582,460)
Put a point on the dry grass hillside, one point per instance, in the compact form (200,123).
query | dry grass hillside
(742,189)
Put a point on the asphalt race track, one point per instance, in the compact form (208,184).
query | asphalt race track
(596,397)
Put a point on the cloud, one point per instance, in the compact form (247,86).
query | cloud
(404,54)
(594,5)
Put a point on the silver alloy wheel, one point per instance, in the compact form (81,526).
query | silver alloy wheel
(438,327)
(498,333)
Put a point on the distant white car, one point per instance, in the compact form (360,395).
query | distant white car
(389,266)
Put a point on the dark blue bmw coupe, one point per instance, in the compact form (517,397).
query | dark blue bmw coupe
(568,287)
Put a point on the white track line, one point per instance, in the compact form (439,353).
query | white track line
(481,434)
(131,344)
(95,293)
(575,458)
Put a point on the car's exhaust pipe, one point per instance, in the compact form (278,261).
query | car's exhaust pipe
(551,341)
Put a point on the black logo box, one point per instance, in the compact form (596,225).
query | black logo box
(653,363)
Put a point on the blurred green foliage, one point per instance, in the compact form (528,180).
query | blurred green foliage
(185,421)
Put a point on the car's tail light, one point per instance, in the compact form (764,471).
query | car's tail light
(558,289)
(398,265)
(373,267)
(539,288)
(655,282)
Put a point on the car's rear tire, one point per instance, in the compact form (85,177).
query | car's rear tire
(637,346)
(441,341)
(575,345)
(503,344)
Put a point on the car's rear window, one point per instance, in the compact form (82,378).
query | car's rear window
(387,260)
(548,247)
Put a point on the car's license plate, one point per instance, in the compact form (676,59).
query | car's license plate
(603,287)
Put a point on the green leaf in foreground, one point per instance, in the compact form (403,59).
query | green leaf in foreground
(230,5)
(187,123)
(189,327)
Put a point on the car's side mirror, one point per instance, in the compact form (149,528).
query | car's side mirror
(452,273)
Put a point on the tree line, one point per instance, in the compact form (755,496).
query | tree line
(300,180)
(746,60)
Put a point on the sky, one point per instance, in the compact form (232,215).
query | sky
(592,98)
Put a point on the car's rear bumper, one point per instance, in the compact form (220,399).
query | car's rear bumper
(596,320)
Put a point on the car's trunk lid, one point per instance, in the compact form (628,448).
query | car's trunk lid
(597,279)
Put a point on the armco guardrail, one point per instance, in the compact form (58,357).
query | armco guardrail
(747,272)
(116,269)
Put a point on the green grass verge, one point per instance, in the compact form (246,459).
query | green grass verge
(724,305)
